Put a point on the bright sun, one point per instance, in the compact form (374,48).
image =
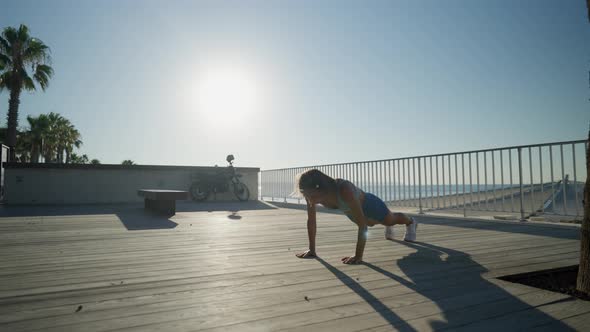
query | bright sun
(225,93)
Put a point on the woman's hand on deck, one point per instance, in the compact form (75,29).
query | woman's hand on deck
(307,254)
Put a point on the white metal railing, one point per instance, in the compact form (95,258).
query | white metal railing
(528,179)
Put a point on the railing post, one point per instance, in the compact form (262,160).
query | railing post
(563,181)
(502,177)
(297,171)
(463,182)
(552,179)
(511,181)
(543,199)
(420,187)
(414,181)
(532,182)
(520,183)
(285,179)
(575,179)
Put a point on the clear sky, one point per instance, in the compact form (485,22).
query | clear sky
(296,83)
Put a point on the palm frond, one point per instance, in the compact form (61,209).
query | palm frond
(23,33)
(30,51)
(5,79)
(27,80)
(4,46)
(4,61)
(10,35)
(31,120)
(53,117)
(36,51)
(46,69)
(28,83)
(42,77)
(39,127)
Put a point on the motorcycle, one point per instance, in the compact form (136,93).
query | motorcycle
(224,178)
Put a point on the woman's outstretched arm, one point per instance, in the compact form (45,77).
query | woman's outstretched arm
(311,231)
(361,221)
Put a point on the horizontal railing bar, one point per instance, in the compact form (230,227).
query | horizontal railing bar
(435,155)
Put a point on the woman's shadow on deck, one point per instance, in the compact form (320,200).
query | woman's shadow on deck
(462,294)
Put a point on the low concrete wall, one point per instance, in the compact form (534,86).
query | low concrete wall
(99,184)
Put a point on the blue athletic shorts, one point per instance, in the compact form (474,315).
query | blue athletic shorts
(373,208)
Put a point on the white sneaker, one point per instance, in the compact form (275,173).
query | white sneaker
(411,231)
(389,232)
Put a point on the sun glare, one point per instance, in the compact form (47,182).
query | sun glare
(226,94)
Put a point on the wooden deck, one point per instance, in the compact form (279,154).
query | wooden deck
(208,268)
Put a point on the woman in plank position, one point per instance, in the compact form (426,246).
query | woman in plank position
(364,209)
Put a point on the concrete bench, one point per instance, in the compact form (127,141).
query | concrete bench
(162,201)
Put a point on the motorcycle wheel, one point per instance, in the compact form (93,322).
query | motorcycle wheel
(197,192)
(241,191)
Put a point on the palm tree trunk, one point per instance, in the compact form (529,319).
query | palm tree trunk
(35,153)
(47,156)
(583,282)
(12,121)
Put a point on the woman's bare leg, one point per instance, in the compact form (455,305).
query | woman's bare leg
(396,218)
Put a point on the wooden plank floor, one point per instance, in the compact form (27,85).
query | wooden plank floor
(232,267)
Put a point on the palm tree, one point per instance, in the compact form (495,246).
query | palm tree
(50,139)
(72,139)
(24,146)
(127,162)
(53,137)
(62,129)
(19,51)
(38,128)
(76,159)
